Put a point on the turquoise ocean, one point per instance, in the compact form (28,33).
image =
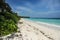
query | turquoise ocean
(50,21)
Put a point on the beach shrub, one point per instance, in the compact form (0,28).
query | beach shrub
(11,16)
(7,27)
(8,19)
(8,23)
(2,18)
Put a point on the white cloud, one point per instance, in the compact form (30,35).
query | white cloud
(28,9)
(23,8)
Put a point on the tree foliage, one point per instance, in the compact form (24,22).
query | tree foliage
(8,19)
(5,6)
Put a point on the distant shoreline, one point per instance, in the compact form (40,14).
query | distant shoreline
(44,18)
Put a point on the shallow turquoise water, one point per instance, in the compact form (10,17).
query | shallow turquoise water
(51,21)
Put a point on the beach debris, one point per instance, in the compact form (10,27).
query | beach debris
(41,32)
(20,22)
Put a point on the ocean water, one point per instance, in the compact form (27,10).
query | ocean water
(50,21)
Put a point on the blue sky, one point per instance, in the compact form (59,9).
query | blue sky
(36,8)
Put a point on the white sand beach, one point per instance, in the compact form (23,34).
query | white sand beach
(33,31)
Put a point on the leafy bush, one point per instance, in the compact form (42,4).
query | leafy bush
(7,27)
(2,18)
(8,19)
(9,16)
(8,23)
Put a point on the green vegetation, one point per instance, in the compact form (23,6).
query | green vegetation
(8,19)
(24,16)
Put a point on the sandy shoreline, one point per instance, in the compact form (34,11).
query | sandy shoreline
(34,31)
(53,26)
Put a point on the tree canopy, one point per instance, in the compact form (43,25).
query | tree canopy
(5,6)
(8,19)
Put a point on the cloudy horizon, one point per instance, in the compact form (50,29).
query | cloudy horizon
(36,8)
